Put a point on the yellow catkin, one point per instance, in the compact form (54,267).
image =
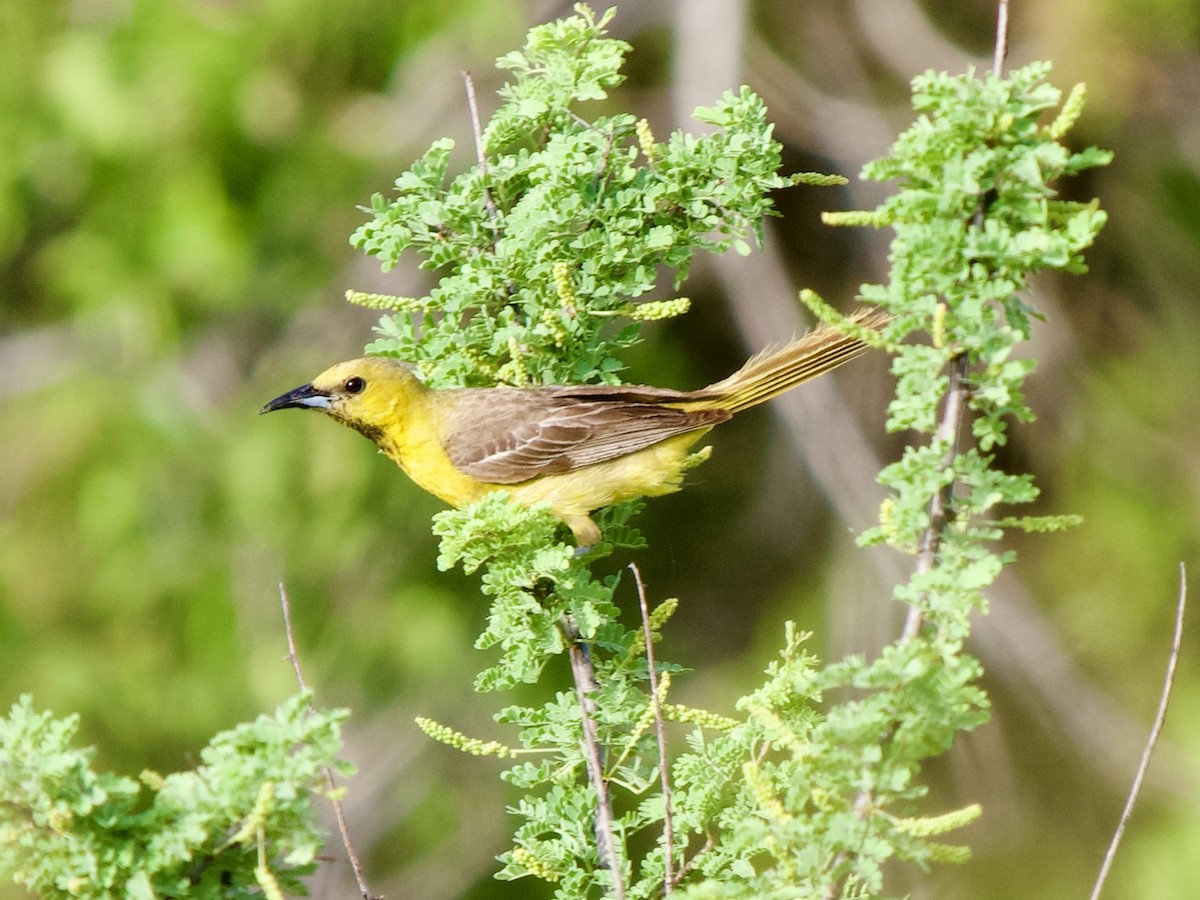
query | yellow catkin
(660,614)
(819,179)
(643,722)
(645,139)
(514,372)
(647,718)
(855,326)
(262,872)
(258,815)
(857,218)
(459,741)
(954,854)
(677,712)
(1070,112)
(887,517)
(764,793)
(552,319)
(657,310)
(535,866)
(384,301)
(482,363)
(664,685)
(267,881)
(565,287)
(821,799)
(778,731)
(938,329)
(926,826)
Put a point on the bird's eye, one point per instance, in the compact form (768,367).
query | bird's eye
(354,385)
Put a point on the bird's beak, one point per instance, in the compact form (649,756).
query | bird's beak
(304,397)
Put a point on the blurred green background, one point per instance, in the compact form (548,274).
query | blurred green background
(178,179)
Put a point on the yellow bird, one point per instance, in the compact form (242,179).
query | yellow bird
(577,448)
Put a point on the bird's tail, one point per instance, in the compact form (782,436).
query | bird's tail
(775,370)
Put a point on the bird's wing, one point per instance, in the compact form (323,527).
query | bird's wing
(505,436)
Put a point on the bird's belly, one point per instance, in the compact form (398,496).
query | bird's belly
(650,472)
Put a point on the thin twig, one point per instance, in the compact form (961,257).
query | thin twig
(661,732)
(480,156)
(1001,50)
(292,656)
(1155,730)
(709,843)
(330,784)
(584,675)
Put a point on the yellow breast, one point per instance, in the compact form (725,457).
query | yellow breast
(412,440)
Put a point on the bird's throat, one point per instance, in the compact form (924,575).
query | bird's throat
(373,433)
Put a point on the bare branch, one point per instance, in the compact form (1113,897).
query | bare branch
(709,842)
(330,783)
(292,656)
(1155,730)
(660,731)
(480,156)
(584,675)
(949,429)
(1001,51)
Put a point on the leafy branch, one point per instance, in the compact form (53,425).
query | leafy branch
(241,825)
(554,234)
(560,226)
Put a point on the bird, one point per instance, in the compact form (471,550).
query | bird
(577,448)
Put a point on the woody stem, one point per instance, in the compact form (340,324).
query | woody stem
(584,675)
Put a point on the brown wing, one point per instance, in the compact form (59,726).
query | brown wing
(509,435)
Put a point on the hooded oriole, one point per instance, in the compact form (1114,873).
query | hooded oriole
(577,448)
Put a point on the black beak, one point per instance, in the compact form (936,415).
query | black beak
(304,397)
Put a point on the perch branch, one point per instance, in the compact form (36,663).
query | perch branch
(480,155)
(584,675)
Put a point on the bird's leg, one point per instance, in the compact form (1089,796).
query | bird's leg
(587,532)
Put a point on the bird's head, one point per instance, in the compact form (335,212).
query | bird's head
(366,394)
